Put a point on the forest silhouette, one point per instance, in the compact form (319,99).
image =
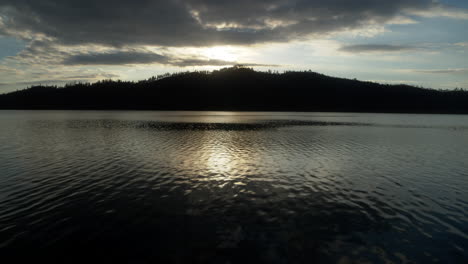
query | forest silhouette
(240,89)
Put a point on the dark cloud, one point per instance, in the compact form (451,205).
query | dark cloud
(192,22)
(375,48)
(145,57)
(115,58)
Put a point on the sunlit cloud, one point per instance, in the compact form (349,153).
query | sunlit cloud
(462,44)
(402,20)
(439,10)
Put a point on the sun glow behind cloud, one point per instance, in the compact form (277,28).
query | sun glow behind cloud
(225,53)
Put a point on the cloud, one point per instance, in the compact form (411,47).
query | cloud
(146,57)
(461,44)
(44,53)
(60,81)
(438,10)
(201,62)
(213,62)
(8,70)
(174,23)
(443,71)
(65,79)
(116,58)
(402,20)
(395,81)
(366,48)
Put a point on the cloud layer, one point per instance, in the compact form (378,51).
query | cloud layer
(146,57)
(115,58)
(196,22)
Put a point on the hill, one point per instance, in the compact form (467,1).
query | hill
(241,89)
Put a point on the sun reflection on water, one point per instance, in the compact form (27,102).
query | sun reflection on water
(218,158)
(221,157)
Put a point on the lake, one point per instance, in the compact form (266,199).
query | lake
(233,187)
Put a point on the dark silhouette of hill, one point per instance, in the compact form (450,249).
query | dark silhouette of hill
(243,89)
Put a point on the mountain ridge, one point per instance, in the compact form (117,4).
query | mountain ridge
(240,89)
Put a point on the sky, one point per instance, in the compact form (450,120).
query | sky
(53,42)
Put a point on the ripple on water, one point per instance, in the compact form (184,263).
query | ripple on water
(336,189)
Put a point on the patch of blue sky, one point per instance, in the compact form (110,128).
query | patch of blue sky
(455,3)
(10,46)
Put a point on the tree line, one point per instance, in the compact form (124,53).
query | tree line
(242,89)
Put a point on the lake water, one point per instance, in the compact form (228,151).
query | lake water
(228,187)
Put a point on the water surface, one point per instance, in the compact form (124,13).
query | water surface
(228,187)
